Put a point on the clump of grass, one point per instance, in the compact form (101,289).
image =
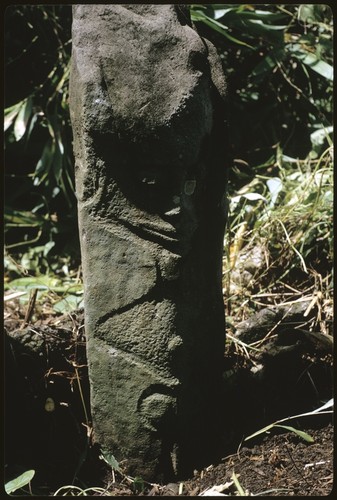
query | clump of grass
(279,240)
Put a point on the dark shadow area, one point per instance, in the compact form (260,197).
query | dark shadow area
(45,364)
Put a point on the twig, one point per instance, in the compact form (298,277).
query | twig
(293,461)
(30,308)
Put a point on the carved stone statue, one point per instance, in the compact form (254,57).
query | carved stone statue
(146,98)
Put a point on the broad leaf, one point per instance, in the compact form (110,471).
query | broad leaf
(312,13)
(69,304)
(110,460)
(19,482)
(41,283)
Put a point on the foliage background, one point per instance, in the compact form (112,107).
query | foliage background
(278,247)
(278,61)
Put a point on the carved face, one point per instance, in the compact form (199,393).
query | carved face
(146,104)
(146,87)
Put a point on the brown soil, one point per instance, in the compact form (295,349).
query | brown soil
(57,444)
(278,465)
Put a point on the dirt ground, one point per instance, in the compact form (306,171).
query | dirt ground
(57,443)
(279,465)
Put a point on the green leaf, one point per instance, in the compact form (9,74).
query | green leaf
(267,65)
(43,165)
(11,113)
(68,304)
(312,61)
(275,186)
(255,28)
(301,434)
(32,123)
(212,11)
(17,218)
(304,435)
(47,247)
(218,13)
(248,196)
(138,485)
(318,137)
(199,15)
(261,431)
(57,164)
(22,118)
(264,15)
(266,27)
(41,282)
(110,460)
(238,486)
(19,482)
(306,13)
(312,13)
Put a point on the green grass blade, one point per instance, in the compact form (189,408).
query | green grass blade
(261,431)
(301,434)
(238,486)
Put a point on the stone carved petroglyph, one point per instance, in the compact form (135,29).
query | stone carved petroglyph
(146,108)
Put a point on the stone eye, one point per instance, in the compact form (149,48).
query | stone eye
(198,61)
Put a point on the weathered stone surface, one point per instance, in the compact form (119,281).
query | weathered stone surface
(147,113)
